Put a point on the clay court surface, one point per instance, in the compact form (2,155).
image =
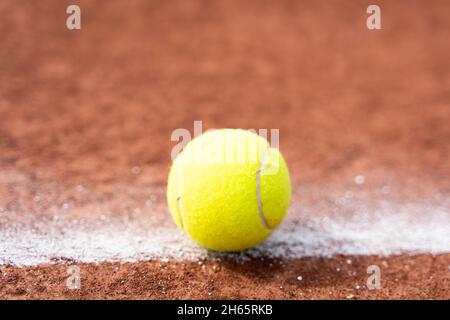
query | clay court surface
(85,124)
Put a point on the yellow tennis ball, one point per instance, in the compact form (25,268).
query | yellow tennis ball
(228,189)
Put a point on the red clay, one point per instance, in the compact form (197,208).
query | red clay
(84,107)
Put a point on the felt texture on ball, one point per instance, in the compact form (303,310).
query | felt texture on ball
(228,189)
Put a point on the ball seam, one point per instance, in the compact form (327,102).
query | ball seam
(264,162)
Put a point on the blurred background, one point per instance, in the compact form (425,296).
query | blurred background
(90,104)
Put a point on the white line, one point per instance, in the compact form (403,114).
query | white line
(383,228)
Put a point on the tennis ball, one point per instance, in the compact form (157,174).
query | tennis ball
(228,189)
